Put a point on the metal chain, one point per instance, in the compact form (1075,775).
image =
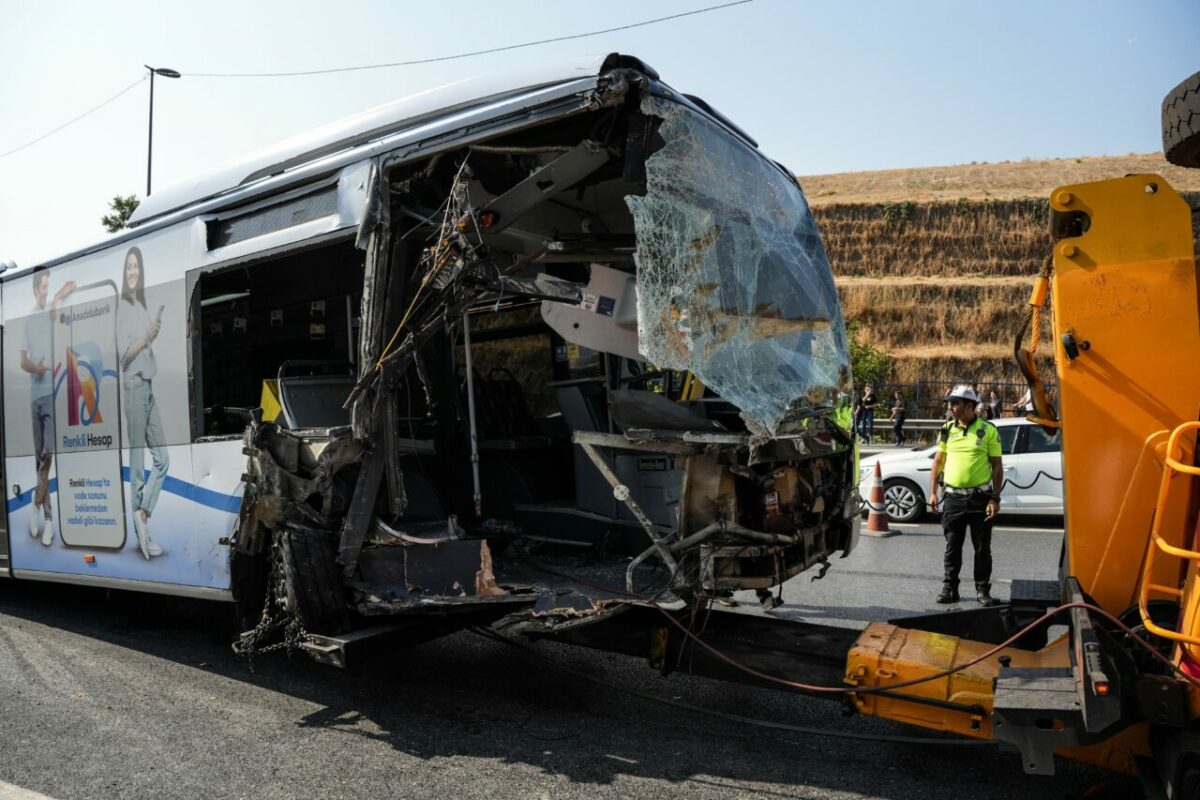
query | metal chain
(294,634)
(248,643)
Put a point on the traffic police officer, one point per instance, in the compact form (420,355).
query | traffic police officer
(969,456)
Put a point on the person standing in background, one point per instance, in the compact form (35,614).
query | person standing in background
(869,402)
(857,416)
(899,414)
(1024,404)
(994,408)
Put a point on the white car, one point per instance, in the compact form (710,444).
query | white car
(1032,473)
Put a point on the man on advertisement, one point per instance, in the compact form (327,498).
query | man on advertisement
(37,359)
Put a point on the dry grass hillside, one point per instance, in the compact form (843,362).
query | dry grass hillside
(1006,180)
(936,264)
(941,239)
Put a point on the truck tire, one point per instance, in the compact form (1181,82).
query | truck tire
(312,580)
(1181,123)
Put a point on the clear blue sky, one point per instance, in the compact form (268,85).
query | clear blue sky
(824,86)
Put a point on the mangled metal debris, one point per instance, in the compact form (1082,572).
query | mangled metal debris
(598,359)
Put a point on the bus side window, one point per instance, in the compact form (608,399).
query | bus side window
(297,312)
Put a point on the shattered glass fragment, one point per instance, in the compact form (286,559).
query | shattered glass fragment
(733,281)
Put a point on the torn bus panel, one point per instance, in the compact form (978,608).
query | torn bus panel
(599,353)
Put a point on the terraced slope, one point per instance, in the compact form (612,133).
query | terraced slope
(936,264)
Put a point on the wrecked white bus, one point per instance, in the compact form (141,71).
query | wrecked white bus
(529,354)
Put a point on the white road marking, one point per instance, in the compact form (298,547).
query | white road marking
(911,525)
(1027,530)
(10,792)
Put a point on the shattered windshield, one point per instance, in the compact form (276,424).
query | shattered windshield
(733,281)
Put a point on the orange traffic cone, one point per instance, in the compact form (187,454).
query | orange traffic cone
(877,523)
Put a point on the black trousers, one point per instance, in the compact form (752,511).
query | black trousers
(960,512)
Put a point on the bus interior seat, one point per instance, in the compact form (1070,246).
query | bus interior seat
(503,419)
(312,393)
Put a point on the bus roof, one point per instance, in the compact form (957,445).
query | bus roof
(364,127)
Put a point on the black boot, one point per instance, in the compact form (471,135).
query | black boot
(983,593)
(949,594)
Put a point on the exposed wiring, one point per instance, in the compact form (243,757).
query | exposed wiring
(75,119)
(470,54)
(388,530)
(423,221)
(436,262)
(762,723)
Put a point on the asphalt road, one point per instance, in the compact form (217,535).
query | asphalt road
(122,695)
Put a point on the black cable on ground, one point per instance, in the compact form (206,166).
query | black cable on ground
(1045,618)
(783,726)
(808,687)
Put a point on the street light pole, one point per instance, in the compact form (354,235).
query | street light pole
(166,73)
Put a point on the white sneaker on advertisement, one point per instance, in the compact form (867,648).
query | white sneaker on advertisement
(145,543)
(35,520)
(48,532)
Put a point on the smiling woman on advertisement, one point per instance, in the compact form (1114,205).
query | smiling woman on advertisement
(136,332)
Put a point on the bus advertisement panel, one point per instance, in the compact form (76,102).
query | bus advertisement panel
(96,412)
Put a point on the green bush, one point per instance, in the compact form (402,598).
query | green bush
(868,363)
(897,213)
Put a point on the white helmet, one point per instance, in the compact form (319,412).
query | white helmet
(963,392)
